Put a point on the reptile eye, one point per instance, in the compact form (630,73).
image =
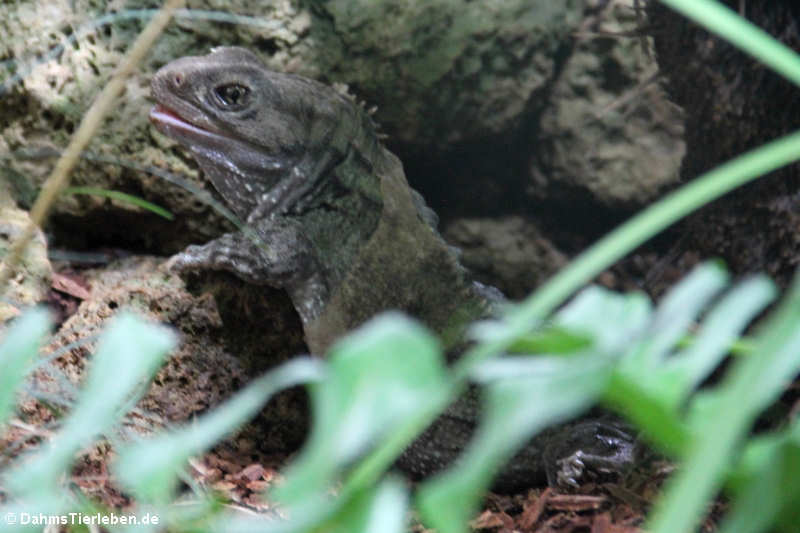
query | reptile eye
(231,95)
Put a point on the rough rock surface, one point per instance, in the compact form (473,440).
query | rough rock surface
(213,359)
(457,70)
(509,252)
(31,282)
(609,129)
(467,101)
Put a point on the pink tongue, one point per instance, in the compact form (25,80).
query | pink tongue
(172,125)
(159,113)
(167,120)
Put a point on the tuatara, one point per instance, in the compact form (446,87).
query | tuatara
(338,227)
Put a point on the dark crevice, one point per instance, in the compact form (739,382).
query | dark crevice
(269,46)
(491,177)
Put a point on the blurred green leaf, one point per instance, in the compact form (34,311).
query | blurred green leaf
(122,197)
(378,510)
(388,512)
(551,340)
(379,376)
(723,325)
(765,484)
(129,352)
(612,320)
(675,314)
(641,387)
(758,486)
(596,319)
(524,395)
(19,346)
(656,418)
(47,503)
(651,393)
(750,385)
(150,468)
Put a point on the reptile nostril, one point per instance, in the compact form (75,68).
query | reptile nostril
(177,80)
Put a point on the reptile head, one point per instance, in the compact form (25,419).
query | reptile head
(230,92)
(247,126)
(227,93)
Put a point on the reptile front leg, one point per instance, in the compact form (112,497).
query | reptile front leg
(271,252)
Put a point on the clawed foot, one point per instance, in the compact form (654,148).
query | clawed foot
(589,447)
(570,470)
(183,261)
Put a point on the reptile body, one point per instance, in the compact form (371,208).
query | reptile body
(338,227)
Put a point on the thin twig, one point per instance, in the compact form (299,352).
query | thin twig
(59,178)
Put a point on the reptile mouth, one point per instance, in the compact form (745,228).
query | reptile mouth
(214,145)
(171,124)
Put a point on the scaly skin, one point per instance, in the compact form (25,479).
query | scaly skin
(336,226)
